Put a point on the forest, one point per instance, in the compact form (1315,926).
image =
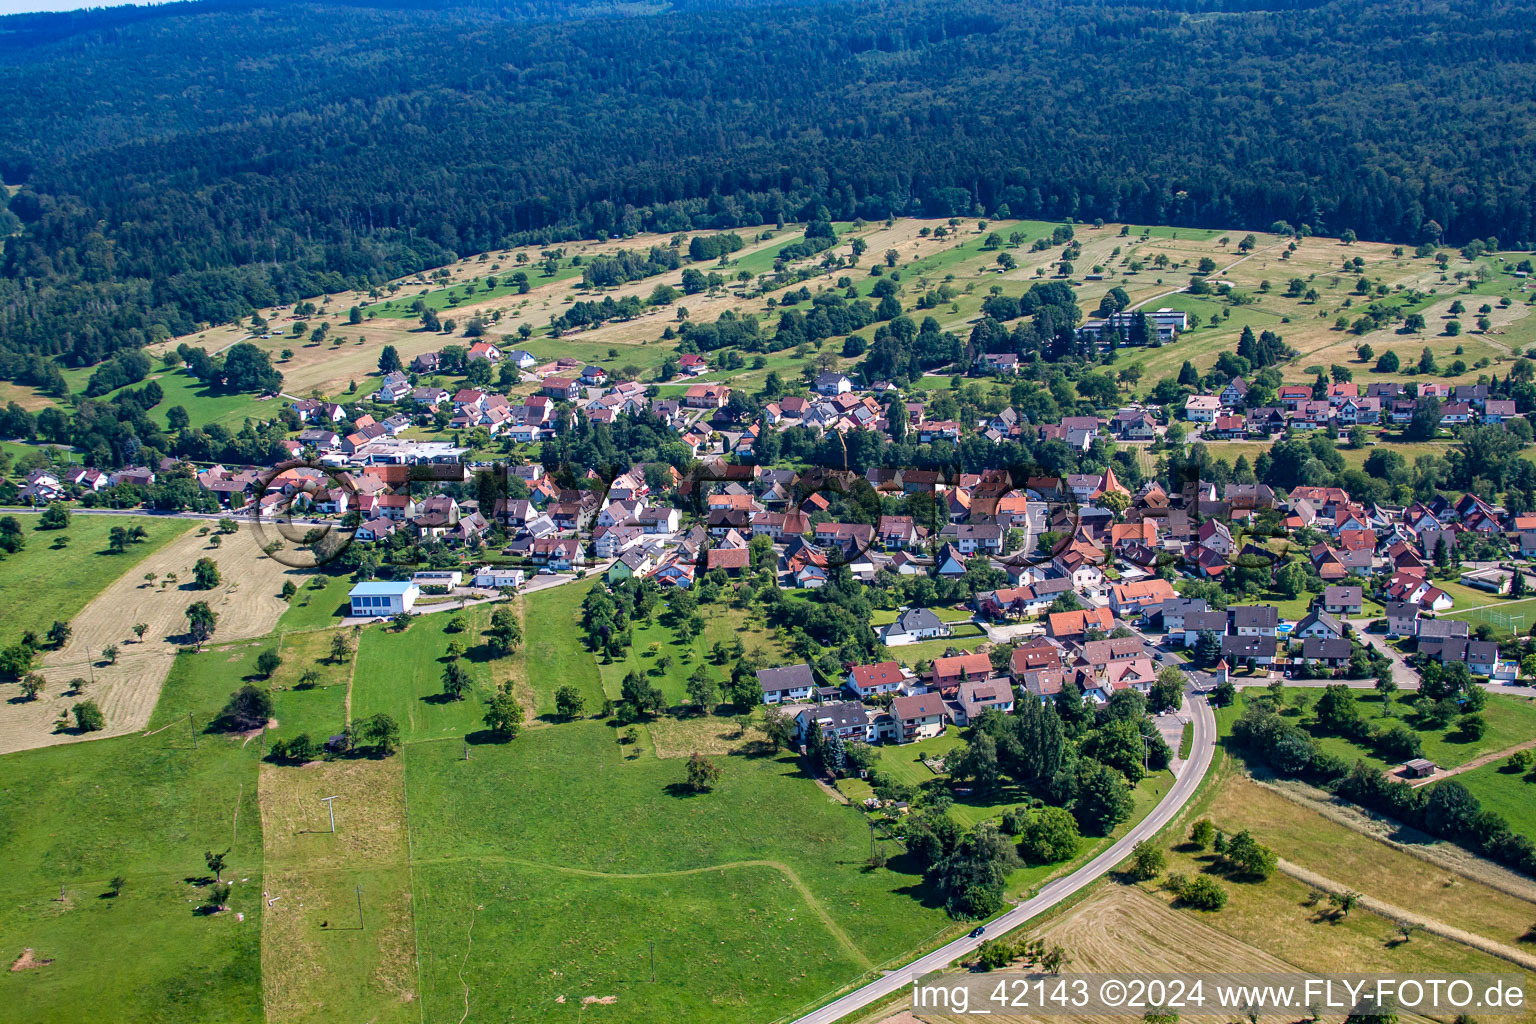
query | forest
(184,164)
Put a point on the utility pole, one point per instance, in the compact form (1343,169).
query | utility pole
(193,726)
(653,957)
(332,808)
(359,908)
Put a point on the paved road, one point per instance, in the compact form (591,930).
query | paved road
(211,517)
(1053,893)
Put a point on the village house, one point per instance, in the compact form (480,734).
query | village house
(918,717)
(786,683)
(912,626)
(883,677)
(1343,599)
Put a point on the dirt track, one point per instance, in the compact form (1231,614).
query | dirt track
(246,603)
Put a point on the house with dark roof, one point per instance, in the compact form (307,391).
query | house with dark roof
(1343,599)
(1255,620)
(1480,656)
(851,721)
(1210,620)
(1325,652)
(977,696)
(1402,618)
(1248,650)
(1318,624)
(1442,629)
(786,683)
(913,625)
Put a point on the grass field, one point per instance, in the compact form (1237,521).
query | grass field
(205,406)
(146,807)
(59,581)
(553,656)
(1510,719)
(1304,837)
(401,674)
(319,961)
(245,602)
(885,616)
(695,880)
(1276,915)
(1510,794)
(926,650)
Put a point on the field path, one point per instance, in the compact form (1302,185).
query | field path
(1476,762)
(1395,913)
(836,930)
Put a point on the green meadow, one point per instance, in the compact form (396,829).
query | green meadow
(59,580)
(146,808)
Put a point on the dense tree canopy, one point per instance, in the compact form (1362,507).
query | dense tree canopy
(367,141)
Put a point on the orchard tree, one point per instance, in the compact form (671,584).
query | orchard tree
(569,702)
(703,774)
(205,574)
(456,681)
(341,646)
(268,662)
(88,717)
(504,714)
(201,621)
(702,689)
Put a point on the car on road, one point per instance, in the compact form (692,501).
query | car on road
(975,932)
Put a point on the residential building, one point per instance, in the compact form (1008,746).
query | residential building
(913,625)
(786,683)
(882,677)
(918,717)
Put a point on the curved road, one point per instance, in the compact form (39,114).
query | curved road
(1054,892)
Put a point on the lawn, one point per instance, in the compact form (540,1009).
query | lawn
(312,609)
(401,674)
(910,654)
(59,581)
(885,616)
(145,807)
(553,655)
